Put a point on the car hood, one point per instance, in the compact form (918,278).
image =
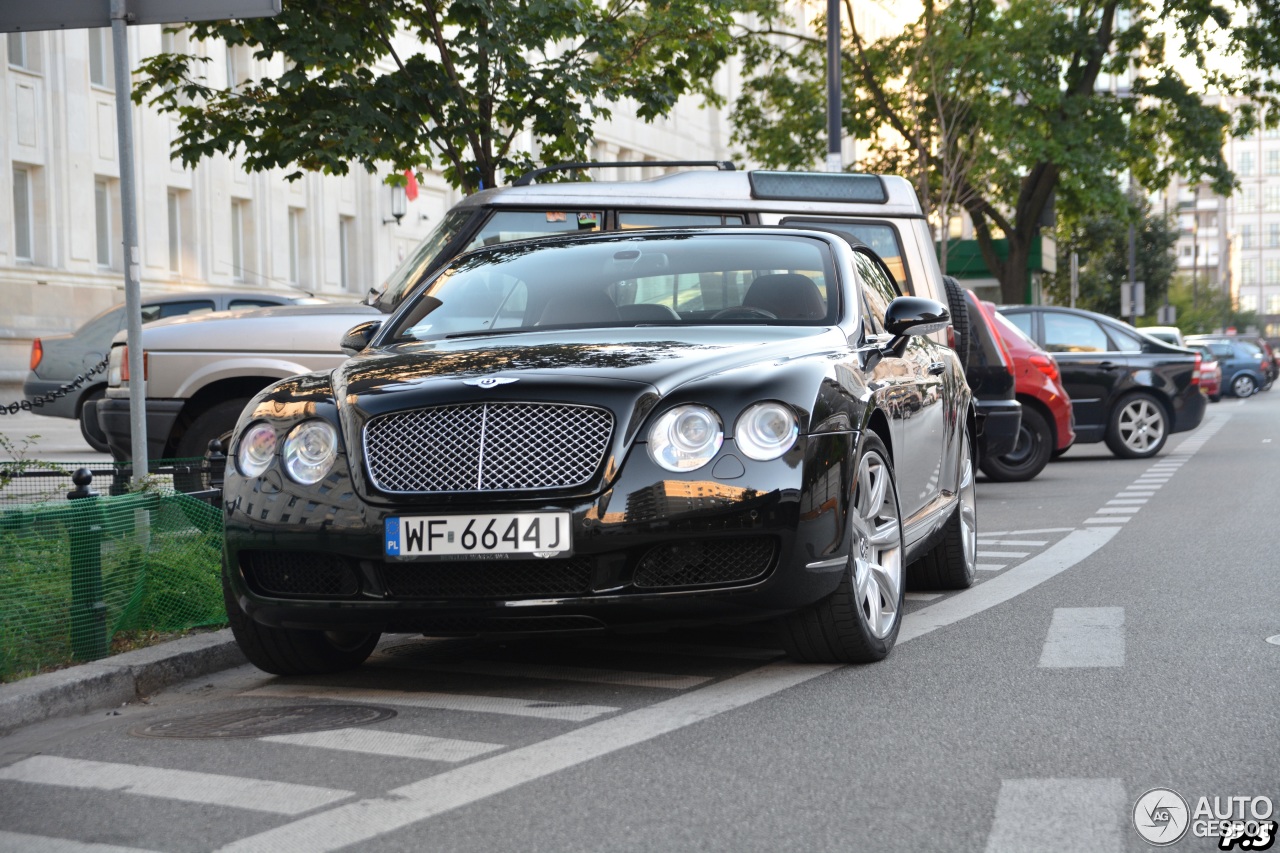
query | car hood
(662,359)
(282,328)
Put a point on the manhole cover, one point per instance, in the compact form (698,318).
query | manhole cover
(261,722)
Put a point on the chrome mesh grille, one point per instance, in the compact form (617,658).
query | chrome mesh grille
(485,447)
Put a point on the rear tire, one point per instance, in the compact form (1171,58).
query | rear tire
(218,421)
(1029,455)
(958,306)
(859,622)
(293,651)
(88,417)
(1138,428)
(1244,386)
(952,563)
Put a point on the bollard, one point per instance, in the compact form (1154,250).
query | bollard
(88,610)
(216,461)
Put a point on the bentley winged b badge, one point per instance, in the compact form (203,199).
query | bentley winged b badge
(491,381)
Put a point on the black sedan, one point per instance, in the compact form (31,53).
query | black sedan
(622,431)
(1127,389)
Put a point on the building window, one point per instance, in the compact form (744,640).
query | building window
(1273,303)
(346,252)
(1248,272)
(18,50)
(1271,271)
(1273,162)
(1248,200)
(1273,234)
(297,246)
(1248,302)
(180,237)
(1246,236)
(101,69)
(241,239)
(1245,164)
(104,221)
(22,242)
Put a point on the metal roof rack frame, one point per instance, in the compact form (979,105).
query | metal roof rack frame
(528,177)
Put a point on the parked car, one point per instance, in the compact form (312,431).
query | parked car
(1210,372)
(610,431)
(57,360)
(1126,388)
(1246,368)
(200,375)
(1047,427)
(989,372)
(1168,334)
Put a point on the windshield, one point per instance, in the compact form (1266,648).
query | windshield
(671,279)
(420,261)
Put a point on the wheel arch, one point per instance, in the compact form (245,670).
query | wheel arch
(1036,403)
(210,395)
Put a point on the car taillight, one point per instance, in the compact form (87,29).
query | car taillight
(37,353)
(124,364)
(1046,365)
(1195,374)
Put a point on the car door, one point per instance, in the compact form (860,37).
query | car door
(910,389)
(1091,368)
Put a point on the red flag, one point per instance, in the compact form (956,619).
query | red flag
(410,188)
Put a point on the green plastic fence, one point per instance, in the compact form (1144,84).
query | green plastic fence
(76,575)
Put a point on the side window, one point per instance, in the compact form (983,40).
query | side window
(1022,321)
(160,310)
(1068,333)
(878,290)
(250,303)
(880,238)
(1123,342)
(1222,350)
(630,219)
(507,225)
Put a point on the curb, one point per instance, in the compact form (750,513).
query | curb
(116,680)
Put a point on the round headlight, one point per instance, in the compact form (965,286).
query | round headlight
(766,431)
(685,438)
(309,451)
(257,446)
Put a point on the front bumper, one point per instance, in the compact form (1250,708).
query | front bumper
(654,549)
(113,418)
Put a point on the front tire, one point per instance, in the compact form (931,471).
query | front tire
(953,562)
(1139,427)
(293,651)
(218,421)
(1029,455)
(859,622)
(1244,386)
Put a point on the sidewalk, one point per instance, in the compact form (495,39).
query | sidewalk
(116,680)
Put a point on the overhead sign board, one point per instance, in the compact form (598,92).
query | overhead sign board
(24,16)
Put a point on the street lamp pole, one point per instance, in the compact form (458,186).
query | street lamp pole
(835,162)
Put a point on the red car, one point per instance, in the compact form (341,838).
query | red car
(1047,422)
(1210,372)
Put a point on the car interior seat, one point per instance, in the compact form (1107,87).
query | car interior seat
(580,308)
(788,296)
(647,312)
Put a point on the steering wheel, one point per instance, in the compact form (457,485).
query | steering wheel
(744,312)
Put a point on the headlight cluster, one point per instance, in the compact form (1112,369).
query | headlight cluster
(687,437)
(307,455)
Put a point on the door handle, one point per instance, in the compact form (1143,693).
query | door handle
(1109,365)
(937,368)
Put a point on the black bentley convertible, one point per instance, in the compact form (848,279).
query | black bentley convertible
(622,431)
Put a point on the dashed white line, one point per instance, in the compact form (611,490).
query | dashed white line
(395,744)
(17,842)
(1009,554)
(1068,816)
(440,701)
(563,673)
(1024,543)
(1084,637)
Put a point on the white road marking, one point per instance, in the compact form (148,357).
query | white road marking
(561,673)
(925,596)
(1027,532)
(1084,637)
(1127,501)
(1024,543)
(366,819)
(1137,493)
(1111,520)
(1058,816)
(989,567)
(395,744)
(1013,555)
(1062,555)
(17,842)
(1117,510)
(439,701)
(260,795)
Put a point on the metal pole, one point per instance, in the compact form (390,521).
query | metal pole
(1075,277)
(835,160)
(132,259)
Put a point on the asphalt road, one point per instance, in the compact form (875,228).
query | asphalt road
(1116,642)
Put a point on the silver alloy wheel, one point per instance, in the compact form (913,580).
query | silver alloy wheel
(1243,386)
(968,507)
(1141,424)
(877,547)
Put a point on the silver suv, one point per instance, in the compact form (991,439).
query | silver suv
(201,373)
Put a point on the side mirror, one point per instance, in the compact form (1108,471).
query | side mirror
(912,315)
(359,336)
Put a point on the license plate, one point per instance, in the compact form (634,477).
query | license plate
(542,534)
